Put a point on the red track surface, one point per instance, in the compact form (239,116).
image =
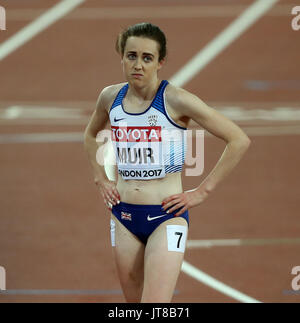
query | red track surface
(54,228)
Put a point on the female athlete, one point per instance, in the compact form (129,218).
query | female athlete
(150,219)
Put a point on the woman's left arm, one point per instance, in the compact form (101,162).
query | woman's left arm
(237,142)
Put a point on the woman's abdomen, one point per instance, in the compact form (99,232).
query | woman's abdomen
(149,192)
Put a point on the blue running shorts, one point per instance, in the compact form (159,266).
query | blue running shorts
(142,220)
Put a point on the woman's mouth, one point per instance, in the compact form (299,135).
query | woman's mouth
(136,75)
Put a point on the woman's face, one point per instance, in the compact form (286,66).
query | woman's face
(140,60)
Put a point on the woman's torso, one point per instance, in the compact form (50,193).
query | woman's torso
(155,190)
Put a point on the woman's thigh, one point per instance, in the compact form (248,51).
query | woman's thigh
(163,259)
(129,257)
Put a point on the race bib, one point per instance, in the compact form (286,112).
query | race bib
(138,152)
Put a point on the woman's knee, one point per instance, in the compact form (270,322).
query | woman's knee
(132,280)
(132,288)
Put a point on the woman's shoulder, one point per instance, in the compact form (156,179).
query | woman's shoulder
(109,93)
(112,90)
(176,97)
(186,104)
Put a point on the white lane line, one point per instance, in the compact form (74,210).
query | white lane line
(42,112)
(57,292)
(37,26)
(32,138)
(274,114)
(215,284)
(272,131)
(41,138)
(60,114)
(240,242)
(265,130)
(213,243)
(165,12)
(222,41)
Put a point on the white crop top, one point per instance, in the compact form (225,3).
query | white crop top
(147,145)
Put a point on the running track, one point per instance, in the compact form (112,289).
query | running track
(54,228)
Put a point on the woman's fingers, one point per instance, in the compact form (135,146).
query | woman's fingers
(108,204)
(109,193)
(114,194)
(175,207)
(175,202)
(112,197)
(167,200)
(181,211)
(117,194)
(171,203)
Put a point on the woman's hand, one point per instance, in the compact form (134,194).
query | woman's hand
(187,200)
(109,193)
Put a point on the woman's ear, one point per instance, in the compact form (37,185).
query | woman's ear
(161,63)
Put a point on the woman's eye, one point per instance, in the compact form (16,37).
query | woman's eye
(133,57)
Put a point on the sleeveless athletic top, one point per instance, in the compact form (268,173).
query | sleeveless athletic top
(147,145)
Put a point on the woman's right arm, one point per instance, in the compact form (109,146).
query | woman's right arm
(97,123)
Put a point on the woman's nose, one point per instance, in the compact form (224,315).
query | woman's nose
(138,64)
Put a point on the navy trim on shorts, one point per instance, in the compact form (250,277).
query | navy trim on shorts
(142,220)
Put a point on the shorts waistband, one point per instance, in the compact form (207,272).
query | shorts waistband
(139,206)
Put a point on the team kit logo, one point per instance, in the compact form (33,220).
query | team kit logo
(126,216)
(152,120)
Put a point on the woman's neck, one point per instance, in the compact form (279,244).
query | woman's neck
(144,93)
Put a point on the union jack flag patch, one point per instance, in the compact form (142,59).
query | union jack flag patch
(125,216)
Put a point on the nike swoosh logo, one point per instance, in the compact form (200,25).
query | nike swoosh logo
(155,217)
(116,120)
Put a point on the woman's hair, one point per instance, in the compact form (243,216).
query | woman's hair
(146,30)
